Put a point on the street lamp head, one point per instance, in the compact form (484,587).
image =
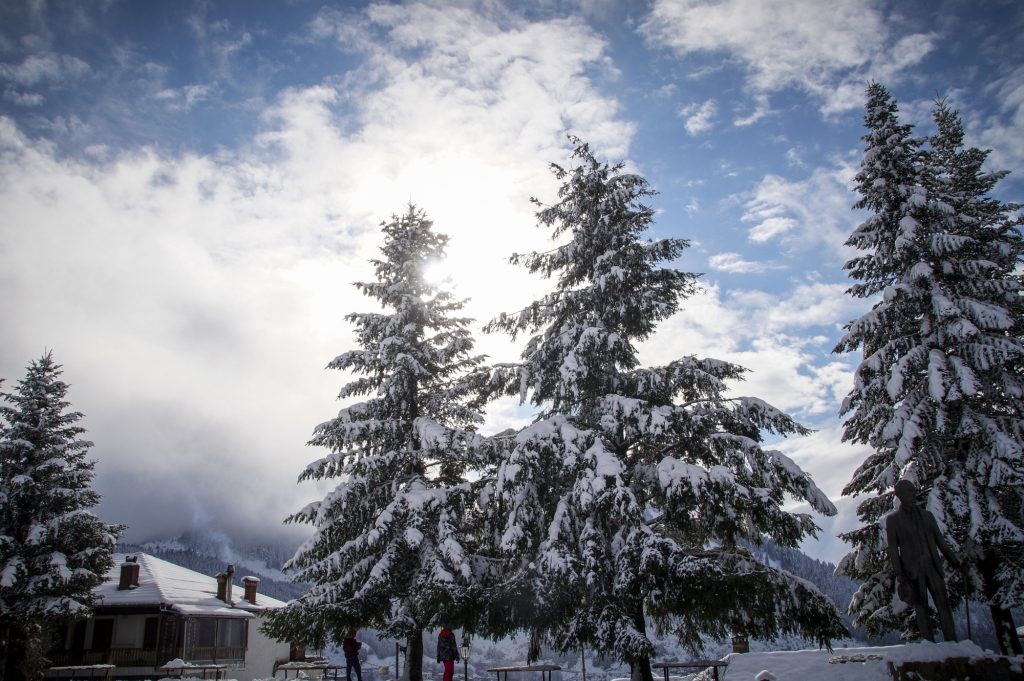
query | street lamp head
(464,651)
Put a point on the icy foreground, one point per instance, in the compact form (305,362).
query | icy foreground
(847,664)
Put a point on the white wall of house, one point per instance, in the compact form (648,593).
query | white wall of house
(263,653)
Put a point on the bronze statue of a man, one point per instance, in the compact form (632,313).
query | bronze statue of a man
(914,545)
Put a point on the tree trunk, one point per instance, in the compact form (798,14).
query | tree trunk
(640,665)
(414,657)
(16,658)
(640,669)
(4,647)
(1002,619)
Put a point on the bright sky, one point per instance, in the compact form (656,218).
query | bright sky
(188,189)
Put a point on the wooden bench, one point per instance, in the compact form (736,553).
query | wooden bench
(544,669)
(692,664)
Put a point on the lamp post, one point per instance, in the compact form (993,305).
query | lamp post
(399,648)
(464,651)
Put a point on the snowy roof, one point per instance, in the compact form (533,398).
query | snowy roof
(177,588)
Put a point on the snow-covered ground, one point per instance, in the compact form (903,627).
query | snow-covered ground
(847,664)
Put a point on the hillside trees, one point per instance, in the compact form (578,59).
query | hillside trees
(388,548)
(938,394)
(53,550)
(622,505)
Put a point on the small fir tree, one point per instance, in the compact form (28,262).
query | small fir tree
(53,550)
(622,504)
(938,395)
(389,548)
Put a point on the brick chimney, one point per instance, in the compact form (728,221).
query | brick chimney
(224,580)
(250,584)
(129,573)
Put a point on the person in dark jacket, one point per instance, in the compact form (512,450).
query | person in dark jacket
(350,646)
(447,652)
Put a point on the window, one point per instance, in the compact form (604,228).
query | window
(126,631)
(231,633)
(102,634)
(220,632)
(149,633)
(206,632)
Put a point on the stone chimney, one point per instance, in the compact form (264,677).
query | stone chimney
(250,584)
(129,573)
(224,580)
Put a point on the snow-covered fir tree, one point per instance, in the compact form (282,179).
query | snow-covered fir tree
(389,548)
(939,394)
(621,507)
(53,550)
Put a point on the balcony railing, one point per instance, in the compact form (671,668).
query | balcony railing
(122,657)
(216,655)
(137,657)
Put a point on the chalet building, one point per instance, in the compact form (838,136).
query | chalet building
(150,612)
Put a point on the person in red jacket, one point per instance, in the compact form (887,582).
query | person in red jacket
(350,646)
(447,652)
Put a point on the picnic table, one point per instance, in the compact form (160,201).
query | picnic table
(322,666)
(180,666)
(691,664)
(544,669)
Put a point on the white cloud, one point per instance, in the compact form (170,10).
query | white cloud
(666,90)
(769,225)
(698,117)
(734,262)
(219,41)
(761,109)
(758,330)
(828,546)
(791,43)
(827,457)
(183,98)
(195,299)
(23,98)
(45,68)
(1003,131)
(805,213)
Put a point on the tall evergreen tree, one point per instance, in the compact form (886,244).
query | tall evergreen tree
(53,550)
(939,392)
(622,504)
(389,549)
